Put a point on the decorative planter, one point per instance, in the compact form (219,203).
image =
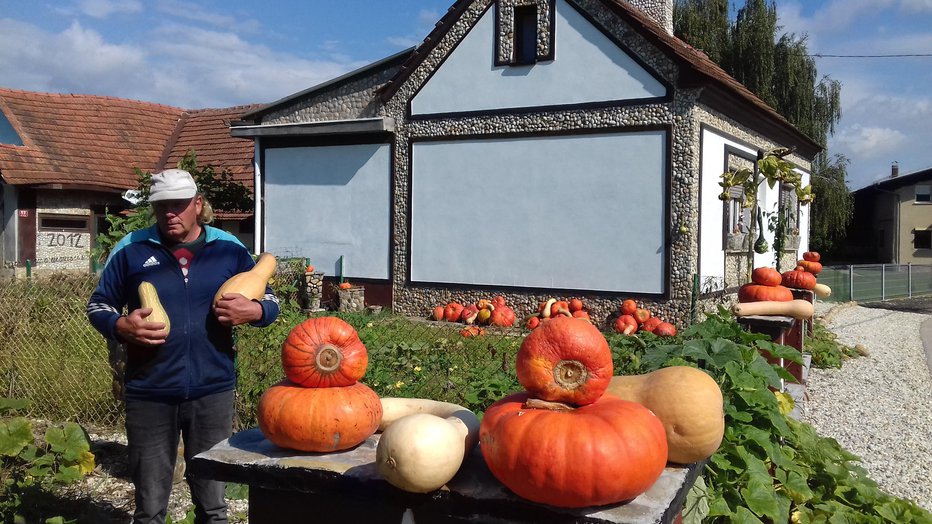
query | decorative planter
(313,290)
(736,242)
(791,243)
(352,299)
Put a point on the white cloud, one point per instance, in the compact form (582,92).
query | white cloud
(105,8)
(916,6)
(195,13)
(867,141)
(184,66)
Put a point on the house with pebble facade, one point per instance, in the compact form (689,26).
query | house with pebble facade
(527,148)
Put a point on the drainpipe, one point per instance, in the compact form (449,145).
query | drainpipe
(896,224)
(258,240)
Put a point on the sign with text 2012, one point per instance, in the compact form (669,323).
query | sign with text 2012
(62,249)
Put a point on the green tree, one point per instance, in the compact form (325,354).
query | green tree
(221,190)
(782,73)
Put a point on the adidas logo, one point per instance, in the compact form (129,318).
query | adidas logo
(151,262)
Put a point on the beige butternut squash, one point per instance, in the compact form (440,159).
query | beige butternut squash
(423,442)
(687,401)
(822,291)
(794,308)
(149,297)
(251,284)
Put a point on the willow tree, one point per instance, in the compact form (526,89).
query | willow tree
(781,72)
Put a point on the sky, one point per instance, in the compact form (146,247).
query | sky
(220,53)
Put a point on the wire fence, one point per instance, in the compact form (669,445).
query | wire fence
(52,357)
(873,282)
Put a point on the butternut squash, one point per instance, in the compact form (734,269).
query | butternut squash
(149,297)
(423,442)
(251,284)
(822,291)
(687,401)
(794,308)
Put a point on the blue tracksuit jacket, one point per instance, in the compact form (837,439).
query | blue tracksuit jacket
(197,358)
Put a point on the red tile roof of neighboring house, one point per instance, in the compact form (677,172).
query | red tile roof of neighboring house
(82,140)
(207,132)
(95,142)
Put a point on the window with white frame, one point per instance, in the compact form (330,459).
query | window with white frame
(923,193)
(789,208)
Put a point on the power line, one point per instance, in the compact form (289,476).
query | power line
(822,55)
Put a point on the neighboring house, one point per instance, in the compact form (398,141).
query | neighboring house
(66,159)
(528,148)
(892,221)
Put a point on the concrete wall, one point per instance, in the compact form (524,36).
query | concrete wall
(330,201)
(561,212)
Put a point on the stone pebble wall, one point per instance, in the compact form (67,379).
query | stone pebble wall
(351,100)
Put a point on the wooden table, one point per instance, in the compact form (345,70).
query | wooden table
(290,486)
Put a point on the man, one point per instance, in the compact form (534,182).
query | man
(182,381)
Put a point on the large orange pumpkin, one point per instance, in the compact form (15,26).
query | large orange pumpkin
(318,419)
(565,360)
(812,256)
(766,276)
(811,266)
(759,293)
(799,279)
(606,452)
(324,352)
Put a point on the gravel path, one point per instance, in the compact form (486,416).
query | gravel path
(879,407)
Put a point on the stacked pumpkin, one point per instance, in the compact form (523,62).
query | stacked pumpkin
(321,406)
(769,292)
(633,319)
(564,441)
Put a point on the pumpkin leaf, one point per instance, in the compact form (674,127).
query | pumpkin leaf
(785,402)
(744,516)
(760,496)
(797,487)
(696,507)
(15,434)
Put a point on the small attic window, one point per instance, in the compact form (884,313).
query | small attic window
(8,135)
(525,44)
(524,32)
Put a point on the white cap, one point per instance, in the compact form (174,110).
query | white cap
(172,184)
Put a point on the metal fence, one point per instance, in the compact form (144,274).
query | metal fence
(52,357)
(873,282)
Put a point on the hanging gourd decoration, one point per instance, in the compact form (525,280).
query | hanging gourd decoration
(324,352)
(760,245)
(318,419)
(565,360)
(606,452)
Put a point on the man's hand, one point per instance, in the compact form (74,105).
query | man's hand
(234,309)
(135,329)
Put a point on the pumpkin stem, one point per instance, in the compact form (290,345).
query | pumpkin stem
(329,358)
(570,374)
(537,403)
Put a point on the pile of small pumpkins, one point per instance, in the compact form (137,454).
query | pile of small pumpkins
(771,292)
(553,308)
(538,442)
(634,319)
(484,312)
